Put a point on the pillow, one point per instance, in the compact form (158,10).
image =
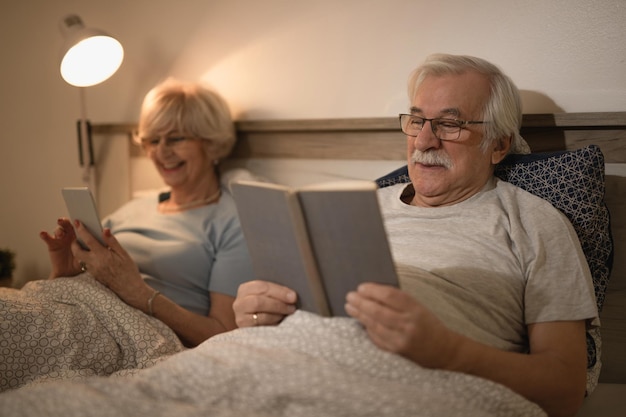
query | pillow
(573,182)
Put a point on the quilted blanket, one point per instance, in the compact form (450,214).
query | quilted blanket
(74,327)
(307,366)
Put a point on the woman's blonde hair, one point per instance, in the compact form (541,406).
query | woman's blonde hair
(189,109)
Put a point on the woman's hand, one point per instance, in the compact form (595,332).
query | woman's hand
(112,266)
(263,303)
(59,245)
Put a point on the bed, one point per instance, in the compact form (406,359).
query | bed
(320,379)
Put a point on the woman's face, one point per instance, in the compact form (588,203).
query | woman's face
(182,161)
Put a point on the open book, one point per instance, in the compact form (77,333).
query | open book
(321,240)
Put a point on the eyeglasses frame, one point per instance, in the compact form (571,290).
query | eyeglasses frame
(169,141)
(437,120)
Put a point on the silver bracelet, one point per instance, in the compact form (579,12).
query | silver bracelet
(150,300)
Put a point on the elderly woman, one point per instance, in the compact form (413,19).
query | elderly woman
(177,255)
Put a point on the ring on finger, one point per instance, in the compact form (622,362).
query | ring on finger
(255,318)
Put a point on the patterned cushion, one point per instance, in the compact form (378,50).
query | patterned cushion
(573,181)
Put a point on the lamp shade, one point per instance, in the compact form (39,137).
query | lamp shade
(89,56)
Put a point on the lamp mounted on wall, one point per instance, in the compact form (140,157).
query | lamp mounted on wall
(88,57)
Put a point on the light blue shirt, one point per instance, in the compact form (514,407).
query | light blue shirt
(185,255)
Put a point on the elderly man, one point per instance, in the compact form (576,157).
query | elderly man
(493,280)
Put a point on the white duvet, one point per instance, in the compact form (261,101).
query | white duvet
(74,327)
(307,366)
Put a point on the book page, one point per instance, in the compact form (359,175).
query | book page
(349,240)
(272,223)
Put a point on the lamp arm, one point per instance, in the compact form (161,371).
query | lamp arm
(84,131)
(79,135)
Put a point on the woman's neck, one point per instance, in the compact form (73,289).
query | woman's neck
(184,199)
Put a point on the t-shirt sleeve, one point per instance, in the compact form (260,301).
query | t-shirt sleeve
(232,265)
(559,285)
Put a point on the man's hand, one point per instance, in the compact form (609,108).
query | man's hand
(397,323)
(263,303)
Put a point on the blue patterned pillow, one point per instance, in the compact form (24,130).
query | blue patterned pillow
(573,181)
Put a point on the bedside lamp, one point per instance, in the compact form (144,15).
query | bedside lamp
(89,57)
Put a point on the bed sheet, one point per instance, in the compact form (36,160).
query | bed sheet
(307,366)
(72,328)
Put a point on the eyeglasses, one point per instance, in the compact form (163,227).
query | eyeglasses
(150,144)
(443,128)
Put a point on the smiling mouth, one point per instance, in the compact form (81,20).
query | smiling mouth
(430,166)
(171,167)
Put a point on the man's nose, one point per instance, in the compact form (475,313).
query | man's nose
(426,138)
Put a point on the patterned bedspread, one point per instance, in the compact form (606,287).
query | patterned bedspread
(307,366)
(74,327)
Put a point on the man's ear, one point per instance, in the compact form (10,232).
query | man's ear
(500,150)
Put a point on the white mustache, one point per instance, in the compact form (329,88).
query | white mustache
(431,158)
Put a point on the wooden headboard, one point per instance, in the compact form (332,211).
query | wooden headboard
(380,139)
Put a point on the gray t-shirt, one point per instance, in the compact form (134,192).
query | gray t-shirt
(185,255)
(492,264)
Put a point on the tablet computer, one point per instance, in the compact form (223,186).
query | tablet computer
(82,206)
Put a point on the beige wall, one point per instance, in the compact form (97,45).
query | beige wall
(274,59)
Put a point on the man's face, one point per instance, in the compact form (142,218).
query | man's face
(469,167)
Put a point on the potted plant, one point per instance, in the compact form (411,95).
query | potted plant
(7,265)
